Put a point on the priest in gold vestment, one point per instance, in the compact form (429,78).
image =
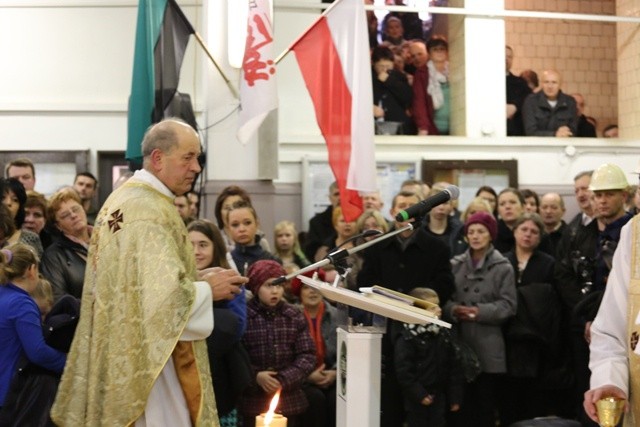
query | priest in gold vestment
(614,351)
(139,356)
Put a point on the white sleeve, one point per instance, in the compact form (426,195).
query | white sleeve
(608,361)
(200,322)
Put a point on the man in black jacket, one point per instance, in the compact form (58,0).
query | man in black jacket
(403,262)
(585,128)
(321,225)
(550,112)
(517,92)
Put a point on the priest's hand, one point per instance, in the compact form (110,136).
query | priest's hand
(225,284)
(595,394)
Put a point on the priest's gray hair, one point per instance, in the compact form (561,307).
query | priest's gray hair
(162,135)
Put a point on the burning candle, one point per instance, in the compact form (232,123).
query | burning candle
(270,418)
(277,420)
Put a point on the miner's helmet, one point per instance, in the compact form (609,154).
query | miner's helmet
(608,177)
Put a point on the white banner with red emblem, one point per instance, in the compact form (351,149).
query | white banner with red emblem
(258,91)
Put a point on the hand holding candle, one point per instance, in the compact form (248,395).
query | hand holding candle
(271,419)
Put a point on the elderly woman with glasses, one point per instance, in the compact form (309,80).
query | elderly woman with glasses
(64,262)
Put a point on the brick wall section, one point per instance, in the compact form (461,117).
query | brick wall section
(584,53)
(628,64)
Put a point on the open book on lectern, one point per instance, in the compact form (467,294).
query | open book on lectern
(379,304)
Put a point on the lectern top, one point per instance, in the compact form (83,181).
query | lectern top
(379,305)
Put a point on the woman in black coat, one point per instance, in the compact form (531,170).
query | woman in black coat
(392,94)
(510,207)
(64,262)
(538,380)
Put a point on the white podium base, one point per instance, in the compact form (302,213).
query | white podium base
(358,379)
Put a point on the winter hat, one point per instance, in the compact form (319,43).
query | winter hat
(296,284)
(261,271)
(485,219)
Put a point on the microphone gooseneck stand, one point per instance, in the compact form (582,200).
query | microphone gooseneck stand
(338,255)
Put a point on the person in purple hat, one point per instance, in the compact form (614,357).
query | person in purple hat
(483,300)
(280,348)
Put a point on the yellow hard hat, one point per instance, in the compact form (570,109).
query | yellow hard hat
(608,177)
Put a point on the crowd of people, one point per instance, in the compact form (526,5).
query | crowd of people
(411,88)
(519,285)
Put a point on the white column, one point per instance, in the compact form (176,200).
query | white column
(478,71)
(358,382)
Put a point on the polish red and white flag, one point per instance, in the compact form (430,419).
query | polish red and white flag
(258,91)
(333,55)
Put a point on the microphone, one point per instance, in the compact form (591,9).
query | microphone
(334,254)
(366,233)
(450,193)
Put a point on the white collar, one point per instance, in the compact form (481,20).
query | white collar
(146,177)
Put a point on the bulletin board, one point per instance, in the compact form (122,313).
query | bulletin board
(317,176)
(469,175)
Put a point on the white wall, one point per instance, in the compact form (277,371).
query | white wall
(66,73)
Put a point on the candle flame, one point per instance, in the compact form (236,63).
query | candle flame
(272,408)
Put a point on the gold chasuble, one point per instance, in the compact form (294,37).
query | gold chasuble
(633,326)
(137,298)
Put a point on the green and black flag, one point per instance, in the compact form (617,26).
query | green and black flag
(162,34)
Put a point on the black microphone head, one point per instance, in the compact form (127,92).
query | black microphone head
(371,232)
(453,191)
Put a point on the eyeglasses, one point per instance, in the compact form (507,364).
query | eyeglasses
(67,214)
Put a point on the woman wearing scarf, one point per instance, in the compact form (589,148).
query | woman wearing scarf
(431,97)
(322,320)
(438,88)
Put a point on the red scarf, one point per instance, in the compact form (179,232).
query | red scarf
(315,329)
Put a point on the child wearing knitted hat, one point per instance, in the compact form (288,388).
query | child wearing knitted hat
(280,348)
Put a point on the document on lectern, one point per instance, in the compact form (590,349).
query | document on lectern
(374,291)
(393,308)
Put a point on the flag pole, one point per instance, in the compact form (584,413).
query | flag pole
(225,78)
(287,50)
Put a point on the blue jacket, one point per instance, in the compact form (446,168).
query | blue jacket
(243,256)
(21,335)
